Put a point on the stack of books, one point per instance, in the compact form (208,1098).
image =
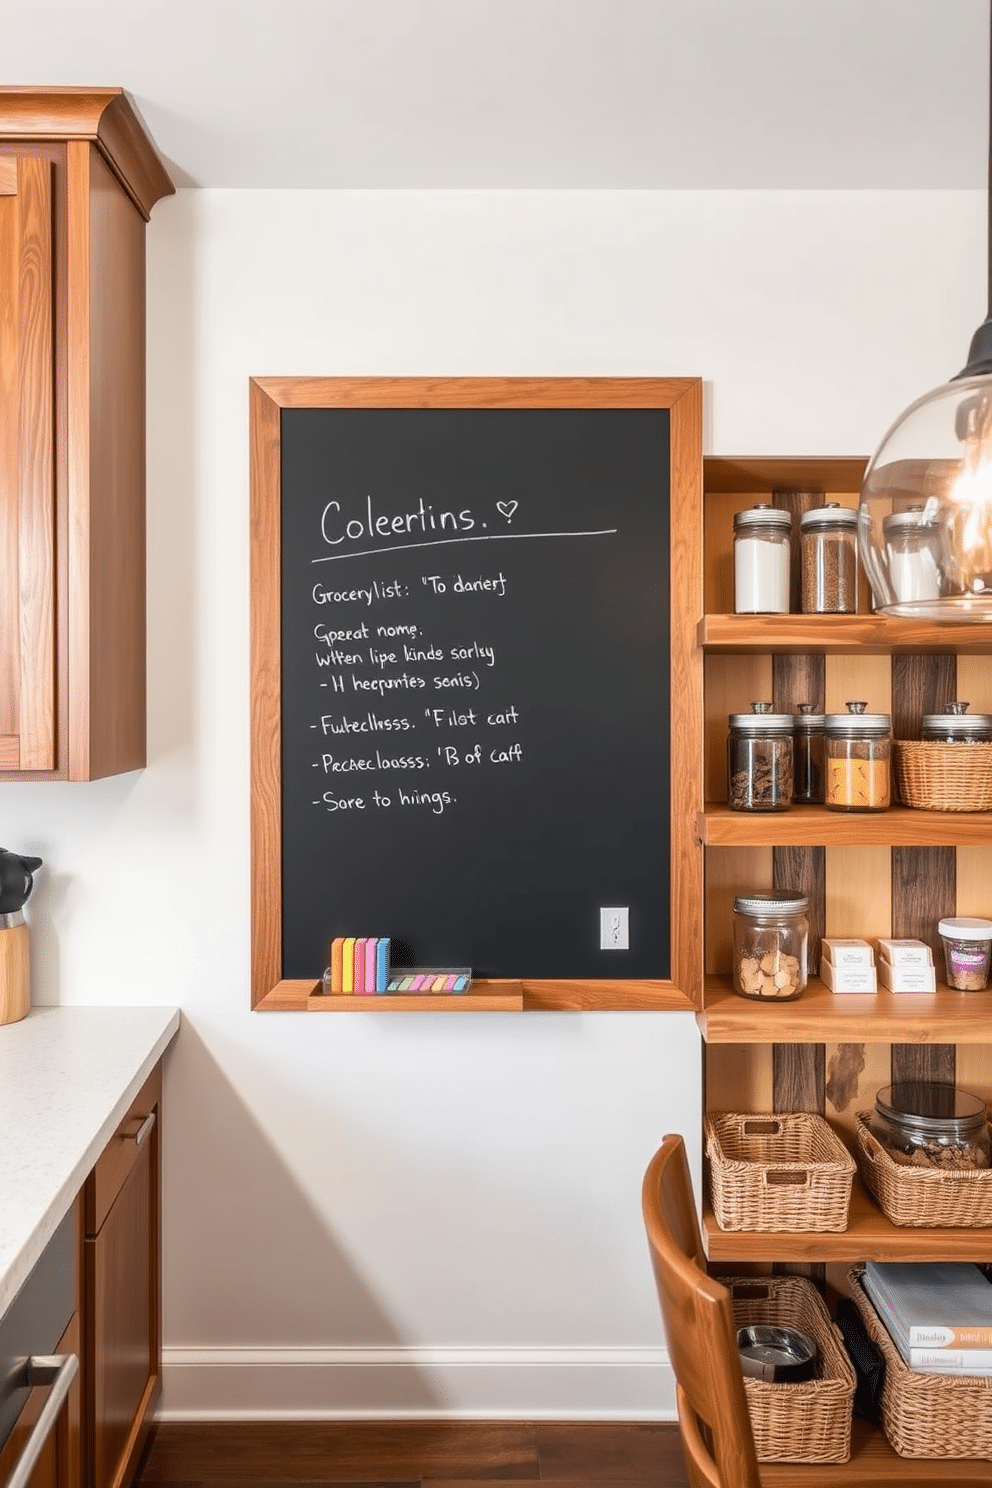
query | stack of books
(937,1313)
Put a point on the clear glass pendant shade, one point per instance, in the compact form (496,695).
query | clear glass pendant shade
(925,521)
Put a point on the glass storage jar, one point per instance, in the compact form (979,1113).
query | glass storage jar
(759,760)
(762,542)
(858,749)
(967,951)
(771,939)
(925,1124)
(957,726)
(829,546)
(912,541)
(807,756)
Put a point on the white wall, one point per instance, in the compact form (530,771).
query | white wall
(428,1214)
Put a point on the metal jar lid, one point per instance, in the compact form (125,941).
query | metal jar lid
(928,1109)
(778,901)
(761,720)
(768,516)
(977,726)
(856,722)
(804,720)
(914,518)
(831,515)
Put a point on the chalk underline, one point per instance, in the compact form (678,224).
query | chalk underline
(443,542)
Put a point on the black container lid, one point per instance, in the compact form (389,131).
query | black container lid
(927,1108)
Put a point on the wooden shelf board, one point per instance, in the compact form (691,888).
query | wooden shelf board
(826,634)
(869,1237)
(873,1461)
(818,1016)
(815,826)
(482,997)
(740,474)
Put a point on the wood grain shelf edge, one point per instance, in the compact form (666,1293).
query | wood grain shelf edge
(878,635)
(815,826)
(869,1236)
(819,1016)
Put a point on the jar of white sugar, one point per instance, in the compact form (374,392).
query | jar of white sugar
(762,540)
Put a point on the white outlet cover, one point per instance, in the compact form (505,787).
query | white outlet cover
(614,928)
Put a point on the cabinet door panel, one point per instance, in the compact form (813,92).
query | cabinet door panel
(122,1349)
(27,467)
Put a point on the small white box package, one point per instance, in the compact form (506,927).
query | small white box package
(847,966)
(912,978)
(905,952)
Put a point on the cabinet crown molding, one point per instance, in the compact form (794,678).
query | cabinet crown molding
(105,116)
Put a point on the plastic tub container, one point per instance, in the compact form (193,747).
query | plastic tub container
(967,952)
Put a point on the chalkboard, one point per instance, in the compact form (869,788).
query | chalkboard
(473,695)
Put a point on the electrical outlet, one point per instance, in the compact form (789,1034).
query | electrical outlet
(614,930)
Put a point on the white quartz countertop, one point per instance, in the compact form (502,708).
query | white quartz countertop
(67,1076)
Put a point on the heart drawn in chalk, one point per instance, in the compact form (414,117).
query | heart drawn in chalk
(506,508)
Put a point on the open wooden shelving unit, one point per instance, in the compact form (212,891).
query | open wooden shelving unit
(895,872)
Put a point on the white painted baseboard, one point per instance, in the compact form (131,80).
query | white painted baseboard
(622,1384)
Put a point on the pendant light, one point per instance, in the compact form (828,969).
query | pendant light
(925,521)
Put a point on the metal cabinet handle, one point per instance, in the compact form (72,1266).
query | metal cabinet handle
(139,1136)
(57,1370)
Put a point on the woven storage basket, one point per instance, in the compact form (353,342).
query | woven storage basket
(927,1415)
(775,1172)
(923,1198)
(809,1422)
(935,776)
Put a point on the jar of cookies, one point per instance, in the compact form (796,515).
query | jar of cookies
(771,937)
(925,1124)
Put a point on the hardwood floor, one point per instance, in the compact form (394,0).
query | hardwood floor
(408,1454)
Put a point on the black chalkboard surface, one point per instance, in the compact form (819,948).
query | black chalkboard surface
(474,686)
(472,606)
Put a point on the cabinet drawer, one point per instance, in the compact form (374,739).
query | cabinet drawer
(122,1152)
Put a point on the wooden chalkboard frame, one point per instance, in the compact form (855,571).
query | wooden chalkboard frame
(682,397)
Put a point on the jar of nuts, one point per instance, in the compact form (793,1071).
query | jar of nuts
(926,1124)
(771,935)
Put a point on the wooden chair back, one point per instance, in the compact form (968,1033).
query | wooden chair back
(700,1331)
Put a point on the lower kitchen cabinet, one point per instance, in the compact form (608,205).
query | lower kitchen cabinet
(40,1381)
(121,1294)
(59,1464)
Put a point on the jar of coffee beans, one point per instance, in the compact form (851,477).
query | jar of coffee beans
(808,728)
(829,545)
(759,760)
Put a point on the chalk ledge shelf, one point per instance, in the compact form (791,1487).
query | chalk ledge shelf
(484,996)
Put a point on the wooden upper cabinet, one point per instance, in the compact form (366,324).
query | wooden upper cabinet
(78,179)
(27,467)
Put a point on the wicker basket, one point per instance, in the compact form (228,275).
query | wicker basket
(935,776)
(923,1198)
(777,1172)
(809,1422)
(927,1415)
